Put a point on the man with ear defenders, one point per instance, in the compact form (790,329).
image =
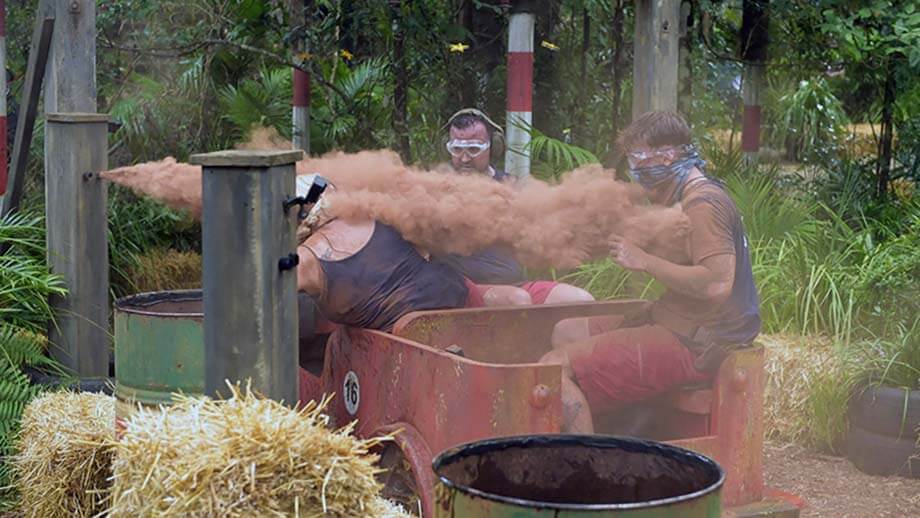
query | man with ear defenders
(473,140)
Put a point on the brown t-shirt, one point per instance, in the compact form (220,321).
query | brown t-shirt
(716,229)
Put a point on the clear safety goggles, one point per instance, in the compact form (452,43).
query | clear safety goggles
(637,158)
(471,148)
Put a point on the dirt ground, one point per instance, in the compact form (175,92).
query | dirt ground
(833,487)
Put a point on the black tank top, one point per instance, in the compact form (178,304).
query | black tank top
(384,280)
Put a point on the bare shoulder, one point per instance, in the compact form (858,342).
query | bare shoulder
(339,239)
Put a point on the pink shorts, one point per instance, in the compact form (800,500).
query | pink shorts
(632,364)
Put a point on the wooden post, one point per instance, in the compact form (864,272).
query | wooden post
(250,298)
(75,206)
(656,56)
(685,67)
(70,82)
(28,109)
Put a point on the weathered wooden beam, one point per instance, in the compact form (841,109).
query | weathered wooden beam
(656,55)
(35,73)
(70,85)
(250,300)
(75,207)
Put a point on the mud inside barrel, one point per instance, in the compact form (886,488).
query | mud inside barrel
(578,470)
(184,303)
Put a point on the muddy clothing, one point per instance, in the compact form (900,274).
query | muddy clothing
(716,229)
(493,265)
(385,280)
(680,340)
(633,364)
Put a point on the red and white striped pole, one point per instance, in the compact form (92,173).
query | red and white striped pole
(519,115)
(301,112)
(3,151)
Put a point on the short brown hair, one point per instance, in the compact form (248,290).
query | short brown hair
(655,129)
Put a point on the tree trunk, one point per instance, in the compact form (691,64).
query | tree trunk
(883,167)
(467,85)
(754,38)
(582,126)
(401,83)
(617,66)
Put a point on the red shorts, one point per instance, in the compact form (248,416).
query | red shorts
(475,294)
(538,291)
(632,364)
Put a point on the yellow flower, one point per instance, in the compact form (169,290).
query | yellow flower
(547,45)
(458,47)
(347,56)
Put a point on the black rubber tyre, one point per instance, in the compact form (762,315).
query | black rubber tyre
(886,411)
(878,454)
(102,386)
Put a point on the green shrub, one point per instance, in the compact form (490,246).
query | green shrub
(810,121)
(25,285)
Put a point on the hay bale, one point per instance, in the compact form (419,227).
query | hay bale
(793,364)
(64,455)
(389,509)
(244,456)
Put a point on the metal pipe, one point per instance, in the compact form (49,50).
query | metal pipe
(250,283)
(519,114)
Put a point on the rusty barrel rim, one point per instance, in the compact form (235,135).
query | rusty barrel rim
(139,303)
(595,441)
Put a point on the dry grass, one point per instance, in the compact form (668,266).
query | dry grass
(388,509)
(167,269)
(793,366)
(244,456)
(64,458)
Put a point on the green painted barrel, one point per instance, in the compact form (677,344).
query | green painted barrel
(159,348)
(569,476)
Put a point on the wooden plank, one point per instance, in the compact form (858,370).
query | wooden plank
(75,206)
(246,158)
(35,73)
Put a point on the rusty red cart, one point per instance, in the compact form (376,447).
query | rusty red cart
(442,378)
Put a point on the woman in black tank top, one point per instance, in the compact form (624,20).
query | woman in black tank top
(382,281)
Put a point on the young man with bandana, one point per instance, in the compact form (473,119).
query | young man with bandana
(472,139)
(710,305)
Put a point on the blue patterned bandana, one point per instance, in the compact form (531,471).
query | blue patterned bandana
(651,177)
